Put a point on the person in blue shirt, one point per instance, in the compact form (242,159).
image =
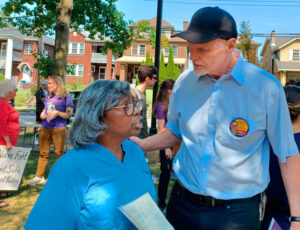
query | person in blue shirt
(222,169)
(277,204)
(103,171)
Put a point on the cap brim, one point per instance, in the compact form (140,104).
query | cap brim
(196,37)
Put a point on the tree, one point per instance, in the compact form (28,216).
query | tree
(244,41)
(162,69)
(163,39)
(149,60)
(99,17)
(173,71)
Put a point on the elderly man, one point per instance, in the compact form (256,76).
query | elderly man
(221,175)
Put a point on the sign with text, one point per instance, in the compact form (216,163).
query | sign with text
(12,164)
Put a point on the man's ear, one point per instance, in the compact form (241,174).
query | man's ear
(231,43)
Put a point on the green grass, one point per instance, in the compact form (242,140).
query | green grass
(22,96)
(21,202)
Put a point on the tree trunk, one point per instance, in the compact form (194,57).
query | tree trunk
(63,14)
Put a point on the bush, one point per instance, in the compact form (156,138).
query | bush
(1,77)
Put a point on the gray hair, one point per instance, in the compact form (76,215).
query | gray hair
(7,86)
(94,100)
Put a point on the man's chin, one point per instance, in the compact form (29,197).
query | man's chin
(200,72)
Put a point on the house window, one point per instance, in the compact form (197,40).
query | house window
(28,49)
(3,49)
(78,71)
(175,51)
(138,50)
(76,48)
(296,56)
(102,71)
(93,69)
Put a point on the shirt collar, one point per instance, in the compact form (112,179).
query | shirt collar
(238,70)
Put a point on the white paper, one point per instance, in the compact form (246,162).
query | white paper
(12,164)
(145,214)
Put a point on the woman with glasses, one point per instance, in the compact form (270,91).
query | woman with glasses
(103,171)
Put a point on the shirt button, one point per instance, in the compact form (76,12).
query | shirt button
(213,105)
(211,126)
(217,84)
(208,148)
(204,169)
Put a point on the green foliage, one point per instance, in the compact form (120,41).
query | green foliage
(245,37)
(44,64)
(173,71)
(71,69)
(149,60)
(2,77)
(164,41)
(137,80)
(162,69)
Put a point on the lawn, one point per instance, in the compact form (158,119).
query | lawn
(21,202)
(22,96)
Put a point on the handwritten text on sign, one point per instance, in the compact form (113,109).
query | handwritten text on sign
(12,164)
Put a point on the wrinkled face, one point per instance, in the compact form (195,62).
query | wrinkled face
(212,57)
(52,86)
(121,125)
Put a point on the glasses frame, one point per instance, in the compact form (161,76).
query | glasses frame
(136,105)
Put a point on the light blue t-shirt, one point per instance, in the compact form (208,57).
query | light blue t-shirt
(227,126)
(86,187)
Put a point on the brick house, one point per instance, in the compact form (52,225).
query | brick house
(281,57)
(17,61)
(132,58)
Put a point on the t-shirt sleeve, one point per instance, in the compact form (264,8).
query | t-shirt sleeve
(160,111)
(59,203)
(3,121)
(173,115)
(69,101)
(279,127)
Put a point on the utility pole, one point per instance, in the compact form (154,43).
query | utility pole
(153,129)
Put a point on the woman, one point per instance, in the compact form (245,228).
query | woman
(277,205)
(103,171)
(161,111)
(58,108)
(9,122)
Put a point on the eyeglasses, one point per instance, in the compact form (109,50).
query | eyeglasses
(130,107)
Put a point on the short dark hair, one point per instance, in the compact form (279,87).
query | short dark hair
(146,71)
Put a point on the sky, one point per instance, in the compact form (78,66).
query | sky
(263,15)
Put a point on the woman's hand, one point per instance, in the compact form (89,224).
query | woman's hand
(51,115)
(169,154)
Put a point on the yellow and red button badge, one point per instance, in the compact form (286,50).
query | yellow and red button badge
(239,127)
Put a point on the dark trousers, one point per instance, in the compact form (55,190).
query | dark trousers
(164,178)
(185,213)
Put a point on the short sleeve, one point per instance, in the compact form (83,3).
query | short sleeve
(173,114)
(69,101)
(59,203)
(160,111)
(279,127)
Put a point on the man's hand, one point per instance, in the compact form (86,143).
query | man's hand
(8,146)
(169,154)
(138,141)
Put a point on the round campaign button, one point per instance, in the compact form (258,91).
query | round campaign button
(239,127)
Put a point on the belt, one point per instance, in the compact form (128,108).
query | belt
(207,201)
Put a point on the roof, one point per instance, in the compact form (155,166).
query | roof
(152,21)
(8,32)
(279,43)
(96,37)
(287,66)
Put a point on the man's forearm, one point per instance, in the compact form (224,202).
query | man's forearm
(291,176)
(163,140)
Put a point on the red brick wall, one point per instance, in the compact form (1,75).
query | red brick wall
(50,49)
(30,60)
(83,59)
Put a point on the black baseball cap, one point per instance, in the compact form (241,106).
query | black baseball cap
(209,23)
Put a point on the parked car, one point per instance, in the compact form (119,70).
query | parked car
(75,94)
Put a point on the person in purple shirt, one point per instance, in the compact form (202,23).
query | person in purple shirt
(166,155)
(58,108)
(278,205)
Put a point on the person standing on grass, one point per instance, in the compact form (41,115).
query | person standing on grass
(58,108)
(165,155)
(147,75)
(41,96)
(221,173)
(9,122)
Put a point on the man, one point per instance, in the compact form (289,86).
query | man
(147,78)
(221,175)
(40,95)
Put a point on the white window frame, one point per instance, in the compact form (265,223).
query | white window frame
(138,50)
(296,57)
(102,67)
(26,49)
(79,48)
(166,51)
(3,51)
(77,70)
(93,69)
